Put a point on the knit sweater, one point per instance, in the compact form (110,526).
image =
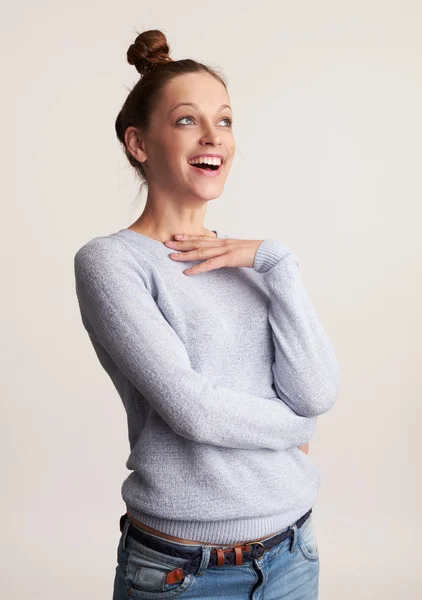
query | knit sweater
(222,375)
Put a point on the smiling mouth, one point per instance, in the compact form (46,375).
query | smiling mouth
(207,167)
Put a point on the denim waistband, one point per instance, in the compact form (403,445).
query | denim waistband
(218,554)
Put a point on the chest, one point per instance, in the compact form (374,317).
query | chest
(221,317)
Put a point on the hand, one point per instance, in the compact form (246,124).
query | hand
(216,252)
(304,448)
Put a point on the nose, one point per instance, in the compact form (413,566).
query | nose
(211,141)
(211,136)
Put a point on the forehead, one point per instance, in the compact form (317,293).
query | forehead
(199,88)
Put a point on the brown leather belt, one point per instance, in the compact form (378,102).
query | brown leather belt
(231,555)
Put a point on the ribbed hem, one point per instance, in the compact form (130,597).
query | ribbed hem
(223,532)
(269,253)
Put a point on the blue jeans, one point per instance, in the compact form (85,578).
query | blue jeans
(289,571)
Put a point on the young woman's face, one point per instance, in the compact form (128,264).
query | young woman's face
(178,133)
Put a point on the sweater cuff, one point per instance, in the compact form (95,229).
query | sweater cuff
(269,253)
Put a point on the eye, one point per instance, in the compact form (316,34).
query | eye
(182,119)
(229,121)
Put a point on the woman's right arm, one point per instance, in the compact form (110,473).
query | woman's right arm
(120,313)
(304,448)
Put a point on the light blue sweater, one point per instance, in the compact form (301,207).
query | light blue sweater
(222,375)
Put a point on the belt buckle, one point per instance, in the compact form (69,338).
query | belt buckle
(263,548)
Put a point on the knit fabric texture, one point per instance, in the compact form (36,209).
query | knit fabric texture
(222,375)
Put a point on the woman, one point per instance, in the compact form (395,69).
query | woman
(222,367)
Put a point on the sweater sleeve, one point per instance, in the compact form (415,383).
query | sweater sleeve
(118,309)
(306,372)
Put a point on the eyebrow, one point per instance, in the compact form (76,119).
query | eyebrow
(196,106)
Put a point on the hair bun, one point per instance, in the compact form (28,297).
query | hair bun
(148,50)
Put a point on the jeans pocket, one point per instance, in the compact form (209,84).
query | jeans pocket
(146,572)
(307,541)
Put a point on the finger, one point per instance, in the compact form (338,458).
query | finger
(207,265)
(194,242)
(197,254)
(190,236)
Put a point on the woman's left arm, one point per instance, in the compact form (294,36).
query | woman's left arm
(306,371)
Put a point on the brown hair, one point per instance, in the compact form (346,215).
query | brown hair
(150,54)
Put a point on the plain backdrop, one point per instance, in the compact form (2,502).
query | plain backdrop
(326,102)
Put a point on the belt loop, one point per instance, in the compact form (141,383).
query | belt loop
(293,537)
(124,526)
(205,559)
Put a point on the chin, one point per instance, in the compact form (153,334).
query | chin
(211,193)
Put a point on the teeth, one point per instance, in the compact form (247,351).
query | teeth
(205,159)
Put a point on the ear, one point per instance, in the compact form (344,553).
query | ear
(135,143)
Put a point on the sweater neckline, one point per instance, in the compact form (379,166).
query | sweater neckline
(149,240)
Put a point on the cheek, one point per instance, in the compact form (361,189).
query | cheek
(166,163)
(231,149)
(174,161)
(230,157)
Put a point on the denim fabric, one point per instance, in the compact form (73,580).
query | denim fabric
(289,571)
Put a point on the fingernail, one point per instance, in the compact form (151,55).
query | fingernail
(179,236)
